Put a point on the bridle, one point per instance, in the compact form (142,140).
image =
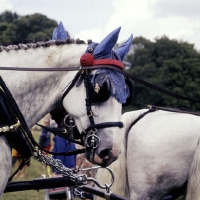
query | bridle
(88,136)
(90,140)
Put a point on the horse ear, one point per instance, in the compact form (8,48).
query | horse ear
(124,48)
(104,48)
(59,33)
(54,36)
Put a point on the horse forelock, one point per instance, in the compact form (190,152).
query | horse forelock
(36,44)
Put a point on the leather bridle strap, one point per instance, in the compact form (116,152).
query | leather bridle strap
(134,78)
(93,127)
(177,110)
(87,100)
(72,84)
(103,125)
(60,132)
(34,69)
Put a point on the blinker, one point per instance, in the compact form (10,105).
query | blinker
(100,87)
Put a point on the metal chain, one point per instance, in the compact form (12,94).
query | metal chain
(56,164)
(79,179)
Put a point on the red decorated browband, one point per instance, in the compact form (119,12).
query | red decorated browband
(87,59)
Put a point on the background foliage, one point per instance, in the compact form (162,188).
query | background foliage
(30,27)
(170,64)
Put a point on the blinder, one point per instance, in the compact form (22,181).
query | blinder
(100,88)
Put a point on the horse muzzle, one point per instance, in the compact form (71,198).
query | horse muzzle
(104,159)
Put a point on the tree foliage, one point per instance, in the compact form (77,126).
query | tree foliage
(170,64)
(30,27)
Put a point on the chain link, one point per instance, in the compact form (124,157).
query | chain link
(56,164)
(79,179)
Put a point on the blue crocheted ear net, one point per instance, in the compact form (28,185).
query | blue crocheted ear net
(119,88)
(59,33)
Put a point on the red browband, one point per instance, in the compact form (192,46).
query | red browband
(87,59)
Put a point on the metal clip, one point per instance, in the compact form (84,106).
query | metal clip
(79,193)
(65,130)
(81,71)
(15,126)
(91,114)
(107,195)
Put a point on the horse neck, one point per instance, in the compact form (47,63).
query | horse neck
(36,93)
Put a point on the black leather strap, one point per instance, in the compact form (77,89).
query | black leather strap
(134,78)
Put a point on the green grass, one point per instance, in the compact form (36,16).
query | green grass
(35,170)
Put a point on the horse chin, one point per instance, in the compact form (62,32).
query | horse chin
(104,162)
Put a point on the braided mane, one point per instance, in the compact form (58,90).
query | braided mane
(39,43)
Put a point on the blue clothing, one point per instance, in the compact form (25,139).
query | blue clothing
(62,145)
(45,138)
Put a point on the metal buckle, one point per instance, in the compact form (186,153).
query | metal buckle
(91,114)
(15,126)
(95,140)
(70,121)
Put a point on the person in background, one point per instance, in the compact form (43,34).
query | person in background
(62,145)
(45,137)
(16,157)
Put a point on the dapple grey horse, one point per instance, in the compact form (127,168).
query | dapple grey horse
(158,155)
(38,92)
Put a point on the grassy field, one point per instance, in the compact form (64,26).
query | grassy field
(35,170)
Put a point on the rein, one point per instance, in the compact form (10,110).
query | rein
(177,110)
(132,77)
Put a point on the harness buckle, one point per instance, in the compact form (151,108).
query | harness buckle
(81,71)
(90,114)
(15,126)
(65,130)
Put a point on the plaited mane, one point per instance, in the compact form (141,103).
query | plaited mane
(37,44)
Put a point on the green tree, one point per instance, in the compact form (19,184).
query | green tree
(30,27)
(170,64)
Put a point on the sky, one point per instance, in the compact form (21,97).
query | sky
(94,19)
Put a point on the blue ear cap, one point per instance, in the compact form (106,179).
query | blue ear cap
(124,48)
(104,48)
(59,32)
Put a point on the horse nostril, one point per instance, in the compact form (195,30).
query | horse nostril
(104,153)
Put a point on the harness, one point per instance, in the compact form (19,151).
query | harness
(28,147)
(92,140)
(88,137)
(153,108)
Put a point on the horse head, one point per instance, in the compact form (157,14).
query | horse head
(98,107)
